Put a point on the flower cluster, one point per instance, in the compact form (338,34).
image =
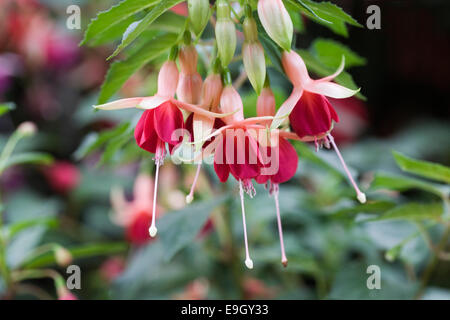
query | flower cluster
(208,116)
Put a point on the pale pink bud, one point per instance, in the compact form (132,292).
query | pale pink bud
(230,101)
(265,106)
(212,89)
(188,59)
(168,79)
(189,88)
(276,21)
(62,256)
(27,128)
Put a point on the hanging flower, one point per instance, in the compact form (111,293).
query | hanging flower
(309,111)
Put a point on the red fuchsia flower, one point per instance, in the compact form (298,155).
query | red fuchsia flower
(162,122)
(137,215)
(276,149)
(310,113)
(62,176)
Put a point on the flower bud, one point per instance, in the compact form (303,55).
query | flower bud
(189,82)
(27,128)
(225,33)
(211,91)
(255,64)
(62,256)
(198,14)
(276,21)
(168,79)
(265,106)
(230,100)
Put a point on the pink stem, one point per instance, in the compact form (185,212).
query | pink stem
(284,260)
(190,196)
(360,195)
(248,260)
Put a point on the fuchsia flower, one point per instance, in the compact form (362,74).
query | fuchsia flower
(310,113)
(135,216)
(62,176)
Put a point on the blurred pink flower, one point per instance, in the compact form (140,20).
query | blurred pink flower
(62,176)
(135,215)
(112,268)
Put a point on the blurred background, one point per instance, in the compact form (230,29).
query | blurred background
(91,191)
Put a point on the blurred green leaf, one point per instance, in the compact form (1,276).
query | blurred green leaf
(27,158)
(6,107)
(404,183)
(82,251)
(330,53)
(95,141)
(370,207)
(158,10)
(177,229)
(112,20)
(13,229)
(413,211)
(423,168)
(120,71)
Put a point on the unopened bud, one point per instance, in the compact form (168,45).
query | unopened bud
(168,79)
(225,33)
(62,256)
(198,15)
(27,128)
(276,21)
(230,101)
(255,64)
(265,106)
(212,89)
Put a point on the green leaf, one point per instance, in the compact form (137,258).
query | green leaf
(115,20)
(13,229)
(177,229)
(423,168)
(413,211)
(371,207)
(95,141)
(82,251)
(404,183)
(27,158)
(162,7)
(6,107)
(327,14)
(330,52)
(315,65)
(120,71)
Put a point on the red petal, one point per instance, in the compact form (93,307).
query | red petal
(168,118)
(288,162)
(248,167)
(145,133)
(312,115)
(221,168)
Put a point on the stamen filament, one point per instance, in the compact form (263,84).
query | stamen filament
(190,196)
(359,195)
(248,260)
(284,260)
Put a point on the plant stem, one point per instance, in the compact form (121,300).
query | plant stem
(433,262)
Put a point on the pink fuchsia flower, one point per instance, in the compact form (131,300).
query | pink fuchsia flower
(309,111)
(189,87)
(136,216)
(65,294)
(62,176)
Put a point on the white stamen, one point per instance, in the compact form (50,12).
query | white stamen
(190,196)
(152,230)
(284,260)
(359,195)
(248,260)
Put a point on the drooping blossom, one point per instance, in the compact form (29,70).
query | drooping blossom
(161,121)
(136,215)
(310,113)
